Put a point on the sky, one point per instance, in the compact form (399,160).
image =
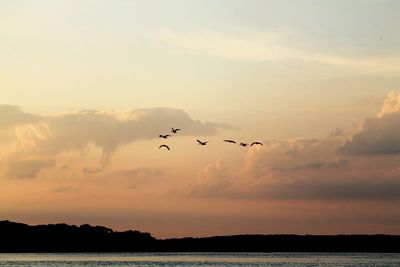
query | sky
(86,87)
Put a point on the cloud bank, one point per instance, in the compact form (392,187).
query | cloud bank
(37,136)
(363,165)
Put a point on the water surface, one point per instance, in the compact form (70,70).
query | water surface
(199,259)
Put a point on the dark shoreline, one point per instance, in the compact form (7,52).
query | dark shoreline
(63,238)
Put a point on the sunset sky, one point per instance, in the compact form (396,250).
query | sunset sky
(86,87)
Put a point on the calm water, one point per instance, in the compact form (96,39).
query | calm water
(198,259)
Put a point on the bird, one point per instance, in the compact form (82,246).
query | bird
(164,136)
(244,144)
(229,141)
(175,130)
(202,143)
(256,143)
(167,147)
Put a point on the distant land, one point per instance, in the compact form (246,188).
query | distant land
(19,237)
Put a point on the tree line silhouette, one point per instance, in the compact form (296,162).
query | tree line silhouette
(18,237)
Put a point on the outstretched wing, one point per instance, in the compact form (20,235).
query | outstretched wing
(167,147)
(256,143)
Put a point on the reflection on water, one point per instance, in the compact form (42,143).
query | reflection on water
(199,259)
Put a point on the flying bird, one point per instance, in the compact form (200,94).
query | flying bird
(244,144)
(256,143)
(202,143)
(164,136)
(167,147)
(175,130)
(229,141)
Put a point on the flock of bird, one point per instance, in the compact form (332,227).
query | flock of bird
(203,143)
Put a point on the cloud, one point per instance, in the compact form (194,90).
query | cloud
(211,180)
(110,129)
(306,169)
(317,171)
(379,135)
(27,168)
(257,46)
(40,136)
(294,154)
(331,189)
(328,168)
(391,104)
(321,165)
(11,116)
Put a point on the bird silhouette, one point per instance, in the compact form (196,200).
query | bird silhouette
(202,143)
(175,130)
(256,143)
(167,147)
(244,144)
(164,136)
(229,141)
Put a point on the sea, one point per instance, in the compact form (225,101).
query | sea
(198,259)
